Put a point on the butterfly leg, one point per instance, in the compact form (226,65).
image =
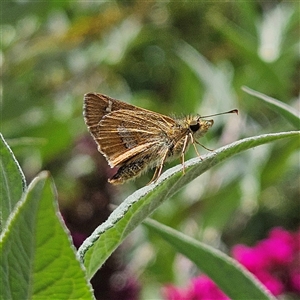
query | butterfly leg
(154,177)
(159,168)
(201,146)
(185,144)
(193,141)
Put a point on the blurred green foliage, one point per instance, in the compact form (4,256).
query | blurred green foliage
(171,57)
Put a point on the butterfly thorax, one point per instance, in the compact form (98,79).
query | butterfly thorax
(187,130)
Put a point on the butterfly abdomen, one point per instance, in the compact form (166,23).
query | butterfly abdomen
(131,169)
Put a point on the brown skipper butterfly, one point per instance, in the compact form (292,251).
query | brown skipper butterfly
(136,139)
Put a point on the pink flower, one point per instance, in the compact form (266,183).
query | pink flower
(273,284)
(203,288)
(279,246)
(275,261)
(251,258)
(171,292)
(295,281)
(296,238)
(200,288)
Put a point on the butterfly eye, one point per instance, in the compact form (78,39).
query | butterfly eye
(195,127)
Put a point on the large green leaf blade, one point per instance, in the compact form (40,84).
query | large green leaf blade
(228,274)
(132,211)
(12,183)
(37,260)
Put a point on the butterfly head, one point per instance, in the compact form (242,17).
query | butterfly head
(199,127)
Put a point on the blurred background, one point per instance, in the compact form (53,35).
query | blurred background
(175,58)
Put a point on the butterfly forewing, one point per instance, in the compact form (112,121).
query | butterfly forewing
(96,106)
(122,130)
(123,134)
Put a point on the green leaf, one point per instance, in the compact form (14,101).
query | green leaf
(37,259)
(129,214)
(235,281)
(291,114)
(12,183)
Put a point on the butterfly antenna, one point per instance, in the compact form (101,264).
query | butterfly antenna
(235,111)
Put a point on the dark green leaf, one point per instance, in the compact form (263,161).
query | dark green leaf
(37,259)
